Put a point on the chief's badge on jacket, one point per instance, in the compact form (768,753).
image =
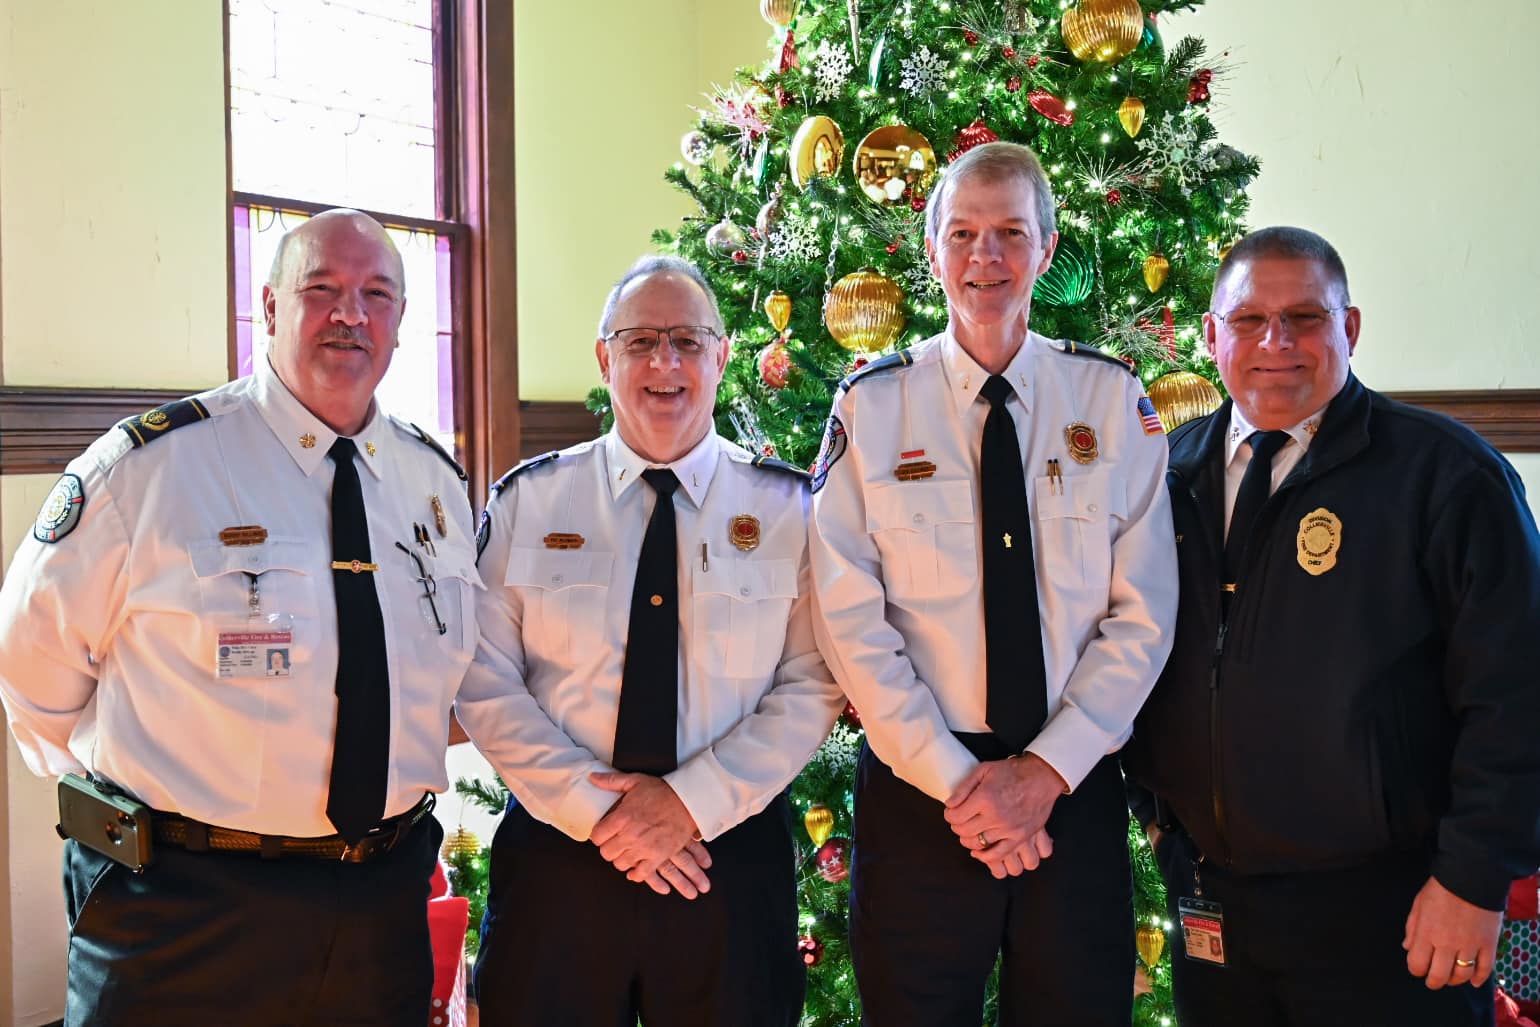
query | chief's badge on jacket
(1319,539)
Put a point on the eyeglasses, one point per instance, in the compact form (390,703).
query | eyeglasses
(689,341)
(1297,323)
(429,587)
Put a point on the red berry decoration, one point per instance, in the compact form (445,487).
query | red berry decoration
(893,246)
(976,134)
(856,365)
(782,97)
(1013,84)
(834,860)
(768,449)
(810,949)
(740,256)
(1032,62)
(1009,52)
(972,37)
(1197,87)
(917,204)
(851,716)
(1114,197)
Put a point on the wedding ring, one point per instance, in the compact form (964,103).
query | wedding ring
(1465,962)
(983,842)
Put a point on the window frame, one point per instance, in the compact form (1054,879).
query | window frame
(474,201)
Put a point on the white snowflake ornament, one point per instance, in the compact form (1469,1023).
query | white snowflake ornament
(923,73)
(831,70)
(795,239)
(1174,153)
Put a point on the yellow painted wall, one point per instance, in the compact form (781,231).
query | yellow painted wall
(602,103)
(112,167)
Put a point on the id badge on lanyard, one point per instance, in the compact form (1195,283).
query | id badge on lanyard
(261,646)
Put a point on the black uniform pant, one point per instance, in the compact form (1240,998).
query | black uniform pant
(569,941)
(1310,949)
(235,940)
(928,921)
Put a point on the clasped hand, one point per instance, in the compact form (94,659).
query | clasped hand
(650,836)
(1000,810)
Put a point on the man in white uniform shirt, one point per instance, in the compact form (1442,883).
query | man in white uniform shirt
(997,639)
(183,554)
(649,604)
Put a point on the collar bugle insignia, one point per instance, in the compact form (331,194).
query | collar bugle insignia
(61,510)
(370,447)
(743,531)
(1319,539)
(439,520)
(243,535)
(1081,439)
(564,540)
(307,441)
(914,470)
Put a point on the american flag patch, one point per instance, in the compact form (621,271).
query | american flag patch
(1149,418)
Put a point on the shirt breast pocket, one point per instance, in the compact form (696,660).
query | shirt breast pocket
(448,601)
(1073,530)
(565,592)
(925,532)
(284,585)
(741,611)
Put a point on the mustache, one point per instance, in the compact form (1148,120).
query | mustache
(350,335)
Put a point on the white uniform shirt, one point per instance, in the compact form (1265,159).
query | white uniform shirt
(1238,453)
(108,636)
(900,610)
(541,699)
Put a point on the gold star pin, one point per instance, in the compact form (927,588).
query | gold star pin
(370,447)
(307,441)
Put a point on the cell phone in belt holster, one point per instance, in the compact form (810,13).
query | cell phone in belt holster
(110,823)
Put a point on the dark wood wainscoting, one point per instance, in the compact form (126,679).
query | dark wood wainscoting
(43,429)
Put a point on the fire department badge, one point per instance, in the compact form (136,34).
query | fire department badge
(1319,539)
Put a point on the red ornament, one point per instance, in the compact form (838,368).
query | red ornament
(774,364)
(972,37)
(1114,197)
(788,53)
(1032,62)
(1013,83)
(1166,331)
(976,134)
(834,860)
(782,97)
(768,449)
(856,365)
(1197,86)
(917,204)
(1009,52)
(1051,107)
(894,245)
(739,256)
(851,716)
(810,949)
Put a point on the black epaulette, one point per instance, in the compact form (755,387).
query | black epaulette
(518,469)
(1080,349)
(781,465)
(900,359)
(145,428)
(440,450)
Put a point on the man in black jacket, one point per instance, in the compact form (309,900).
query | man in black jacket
(1339,759)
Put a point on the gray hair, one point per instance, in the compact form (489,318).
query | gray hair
(994,162)
(659,265)
(1281,242)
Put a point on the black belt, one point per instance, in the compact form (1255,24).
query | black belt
(196,836)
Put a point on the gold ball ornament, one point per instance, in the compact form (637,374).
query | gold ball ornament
(460,843)
(778,12)
(817,150)
(778,310)
(1156,270)
(864,311)
(1182,396)
(1131,114)
(1105,31)
(1150,942)
(892,159)
(819,821)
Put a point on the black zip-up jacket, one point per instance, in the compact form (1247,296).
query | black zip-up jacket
(1388,705)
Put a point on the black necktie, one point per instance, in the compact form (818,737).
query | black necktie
(1256,486)
(1017,703)
(361,749)
(649,683)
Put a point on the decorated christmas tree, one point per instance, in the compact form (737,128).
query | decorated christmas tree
(811,174)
